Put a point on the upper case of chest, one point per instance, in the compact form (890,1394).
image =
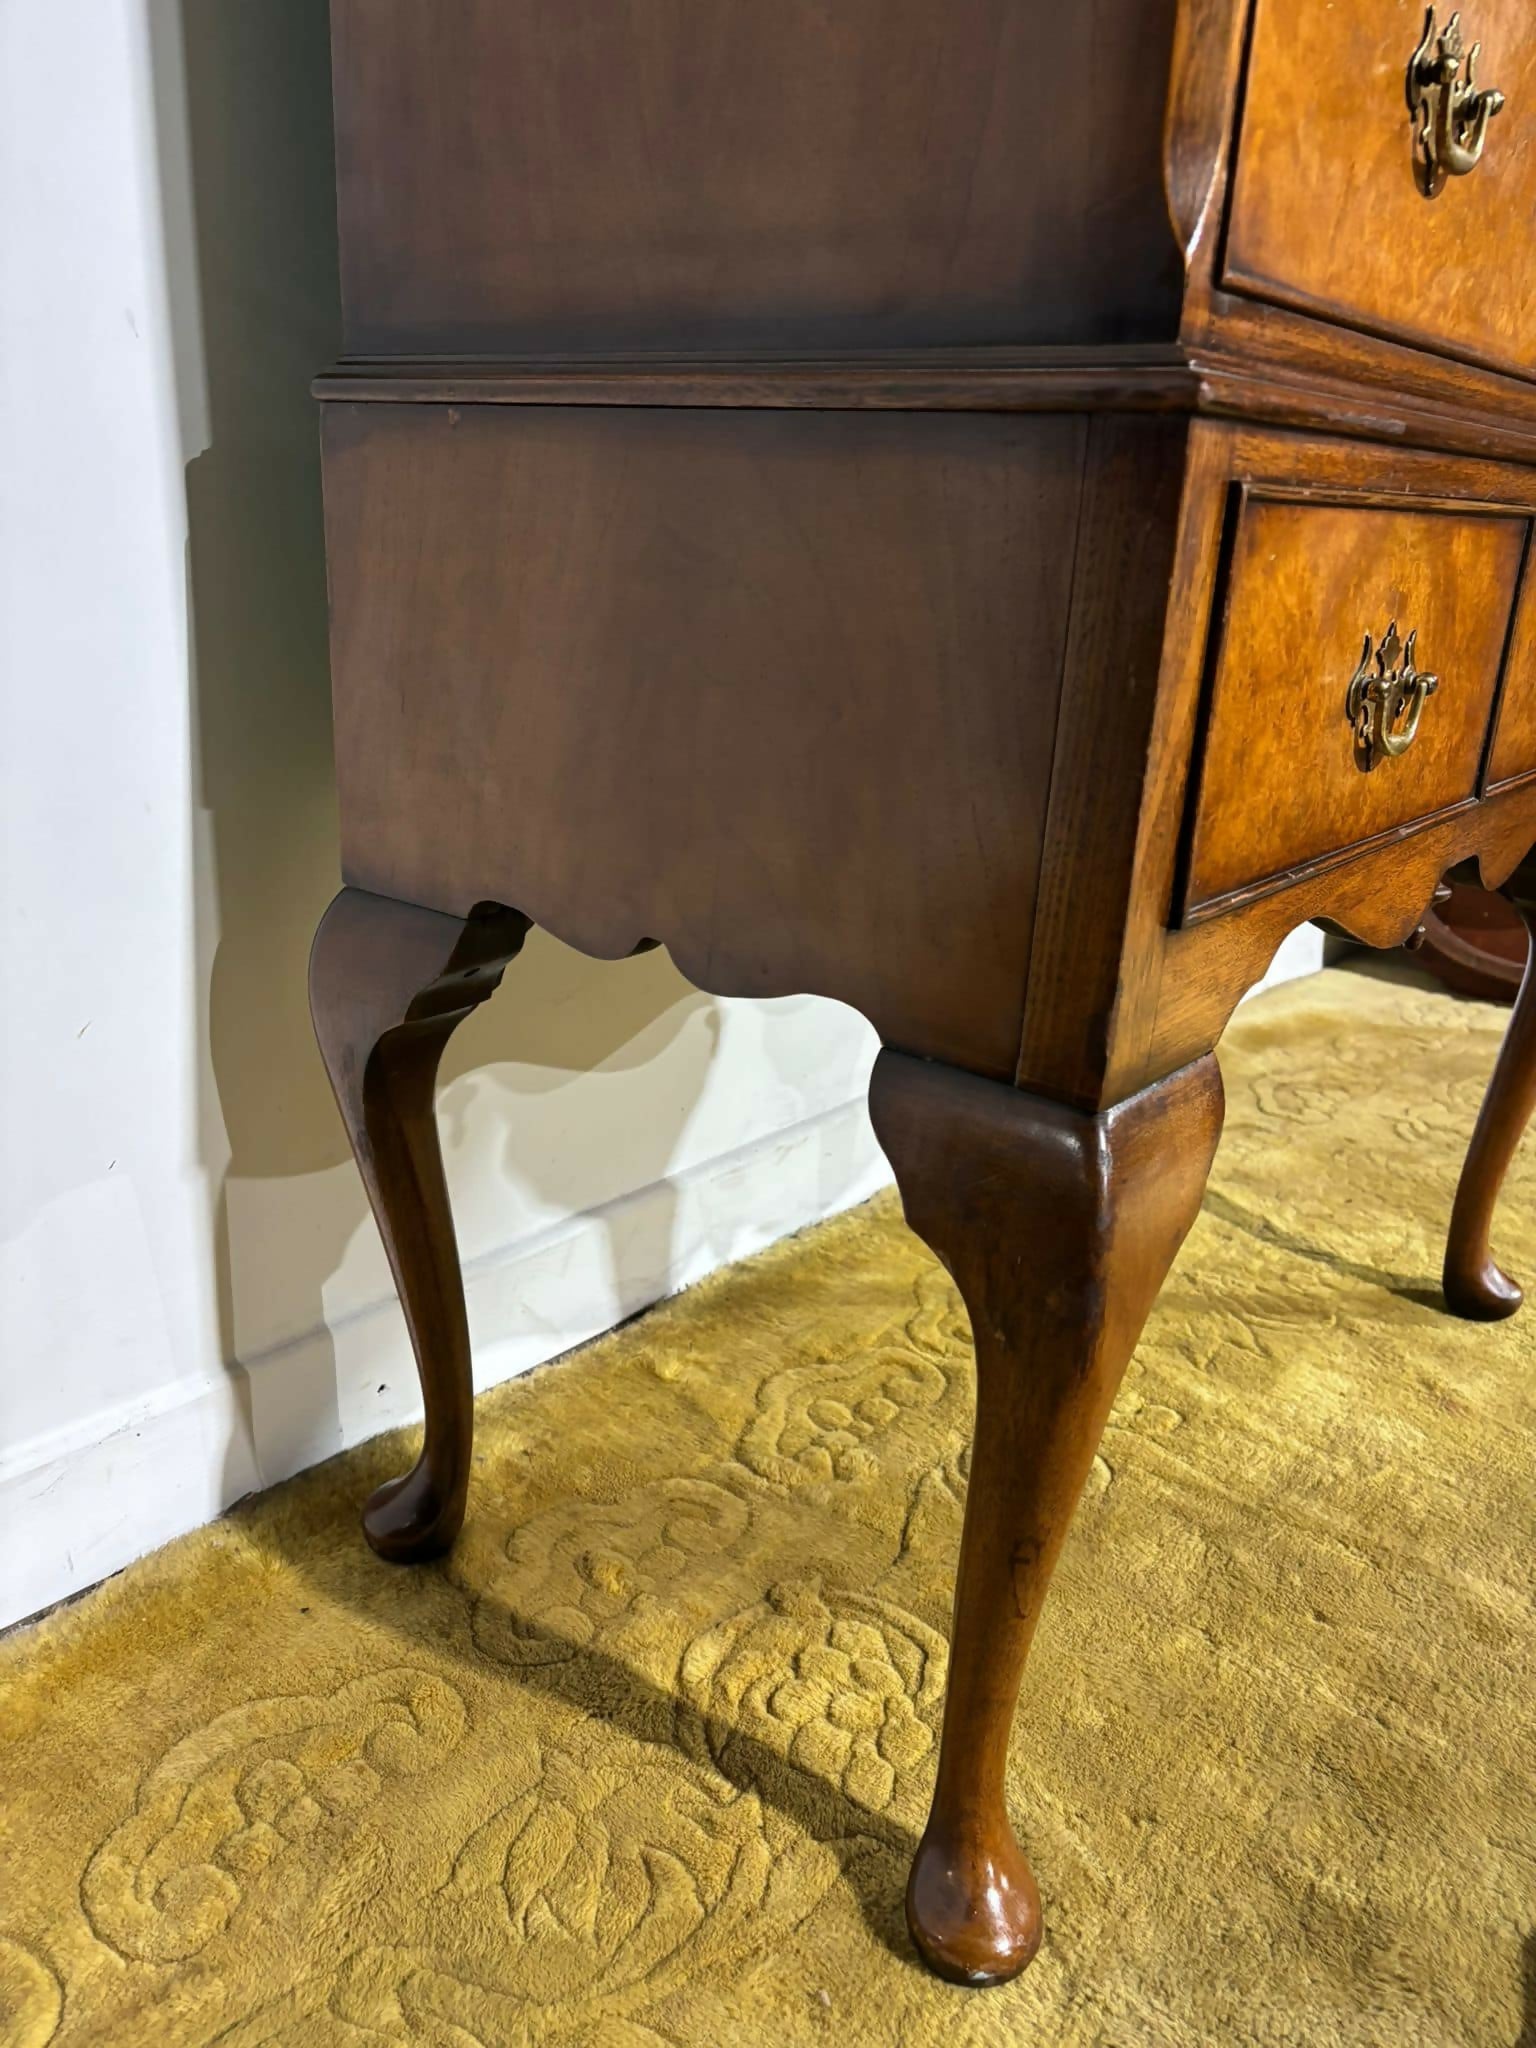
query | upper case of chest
(526,177)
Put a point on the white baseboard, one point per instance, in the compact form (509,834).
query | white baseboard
(86,1500)
(81,1502)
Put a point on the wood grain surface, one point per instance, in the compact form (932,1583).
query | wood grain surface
(778,690)
(388,986)
(596,175)
(1326,211)
(1058,1228)
(1512,756)
(1280,781)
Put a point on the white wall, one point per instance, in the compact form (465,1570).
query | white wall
(175,1191)
(193,1301)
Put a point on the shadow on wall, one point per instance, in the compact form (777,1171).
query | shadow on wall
(245,144)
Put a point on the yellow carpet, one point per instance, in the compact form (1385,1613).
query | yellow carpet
(642,1764)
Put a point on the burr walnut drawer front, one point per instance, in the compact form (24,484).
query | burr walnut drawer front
(1387,179)
(1353,676)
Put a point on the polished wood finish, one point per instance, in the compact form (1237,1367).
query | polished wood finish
(1443,409)
(1175,983)
(1327,213)
(1416,391)
(839,493)
(1476,1286)
(594,176)
(1127,377)
(466,774)
(1104,750)
(1475,943)
(786,802)
(1058,1228)
(388,985)
(1512,758)
(1306,583)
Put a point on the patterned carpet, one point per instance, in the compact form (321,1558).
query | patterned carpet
(642,1764)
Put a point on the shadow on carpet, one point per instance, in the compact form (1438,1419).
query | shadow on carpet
(642,1764)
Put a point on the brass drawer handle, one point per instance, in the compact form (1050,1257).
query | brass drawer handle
(1450,114)
(1386,699)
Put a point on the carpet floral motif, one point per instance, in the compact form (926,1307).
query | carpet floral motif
(844,1687)
(823,1422)
(227,1802)
(643,1763)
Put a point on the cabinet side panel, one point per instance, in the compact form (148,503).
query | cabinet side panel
(777,689)
(593,176)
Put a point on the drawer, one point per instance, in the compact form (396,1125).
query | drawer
(1329,211)
(1284,784)
(1513,755)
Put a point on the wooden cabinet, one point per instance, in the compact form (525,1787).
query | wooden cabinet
(894,500)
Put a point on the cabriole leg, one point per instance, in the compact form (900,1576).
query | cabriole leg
(1058,1228)
(388,983)
(1474,1285)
